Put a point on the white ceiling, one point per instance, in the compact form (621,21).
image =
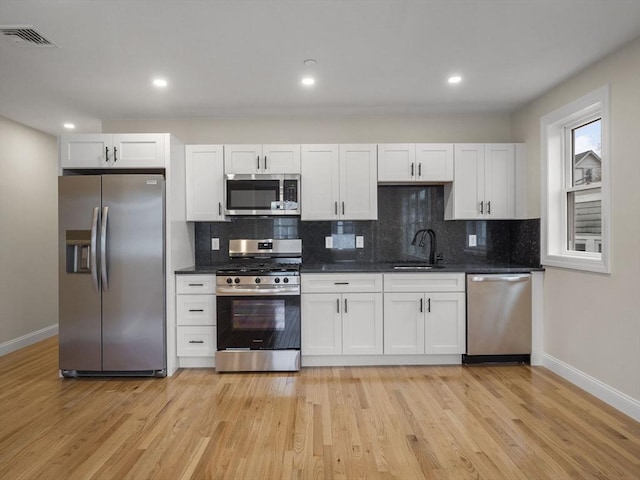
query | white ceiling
(245,57)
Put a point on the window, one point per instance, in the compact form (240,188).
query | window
(575,184)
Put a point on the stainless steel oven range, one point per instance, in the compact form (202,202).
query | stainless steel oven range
(258,306)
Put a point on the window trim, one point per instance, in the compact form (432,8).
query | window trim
(553,179)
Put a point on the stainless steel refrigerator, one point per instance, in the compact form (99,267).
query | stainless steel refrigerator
(112,275)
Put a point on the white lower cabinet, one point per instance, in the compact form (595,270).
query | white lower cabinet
(342,314)
(196,319)
(424,313)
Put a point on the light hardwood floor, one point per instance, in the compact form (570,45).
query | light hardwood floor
(403,423)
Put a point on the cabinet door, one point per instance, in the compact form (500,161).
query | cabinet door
(434,162)
(321,315)
(281,158)
(358,182)
(445,323)
(320,182)
(499,180)
(243,159)
(85,151)
(397,163)
(362,324)
(138,150)
(468,182)
(403,323)
(205,183)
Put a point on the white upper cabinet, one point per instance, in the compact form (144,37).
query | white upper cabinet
(204,183)
(484,185)
(128,150)
(339,182)
(415,163)
(435,162)
(262,158)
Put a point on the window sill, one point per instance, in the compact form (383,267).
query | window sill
(592,263)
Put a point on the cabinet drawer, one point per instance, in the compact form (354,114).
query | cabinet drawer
(343,283)
(196,284)
(196,341)
(196,309)
(424,282)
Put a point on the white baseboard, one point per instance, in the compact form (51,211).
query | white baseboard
(618,400)
(28,339)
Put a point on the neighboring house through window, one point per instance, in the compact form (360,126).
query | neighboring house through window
(575,184)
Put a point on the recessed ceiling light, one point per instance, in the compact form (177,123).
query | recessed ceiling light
(69,126)
(454,79)
(160,82)
(308,81)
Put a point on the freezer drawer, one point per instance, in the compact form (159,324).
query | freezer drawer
(499,315)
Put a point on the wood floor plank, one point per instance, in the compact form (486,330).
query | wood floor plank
(406,423)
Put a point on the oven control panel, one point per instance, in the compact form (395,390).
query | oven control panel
(246,280)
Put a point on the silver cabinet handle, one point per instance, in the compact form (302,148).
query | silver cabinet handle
(341,283)
(429,305)
(106,154)
(219,208)
(345,306)
(421,305)
(196,310)
(94,248)
(115,154)
(337,305)
(265,163)
(412,164)
(258,160)
(343,208)
(482,206)
(420,169)
(196,341)
(196,284)
(489,207)
(103,248)
(335,207)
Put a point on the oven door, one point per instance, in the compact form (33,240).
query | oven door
(264,322)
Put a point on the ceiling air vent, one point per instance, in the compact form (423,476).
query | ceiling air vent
(24,36)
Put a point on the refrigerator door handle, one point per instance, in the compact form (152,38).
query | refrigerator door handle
(94,248)
(103,248)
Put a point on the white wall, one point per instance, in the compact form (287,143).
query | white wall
(492,127)
(28,235)
(592,321)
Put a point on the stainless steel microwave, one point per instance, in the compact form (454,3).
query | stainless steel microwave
(262,194)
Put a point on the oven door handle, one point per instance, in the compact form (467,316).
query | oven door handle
(233,291)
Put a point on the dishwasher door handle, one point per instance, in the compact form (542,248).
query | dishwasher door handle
(500,278)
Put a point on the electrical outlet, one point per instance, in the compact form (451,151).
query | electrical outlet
(359,241)
(215,244)
(328,242)
(472,241)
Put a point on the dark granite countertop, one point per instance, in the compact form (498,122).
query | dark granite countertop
(386,267)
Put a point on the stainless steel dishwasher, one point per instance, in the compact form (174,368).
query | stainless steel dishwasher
(498,318)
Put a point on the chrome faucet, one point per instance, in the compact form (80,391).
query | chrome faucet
(433,258)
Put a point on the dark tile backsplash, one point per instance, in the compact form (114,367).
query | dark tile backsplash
(402,210)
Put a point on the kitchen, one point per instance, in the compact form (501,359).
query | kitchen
(593,343)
